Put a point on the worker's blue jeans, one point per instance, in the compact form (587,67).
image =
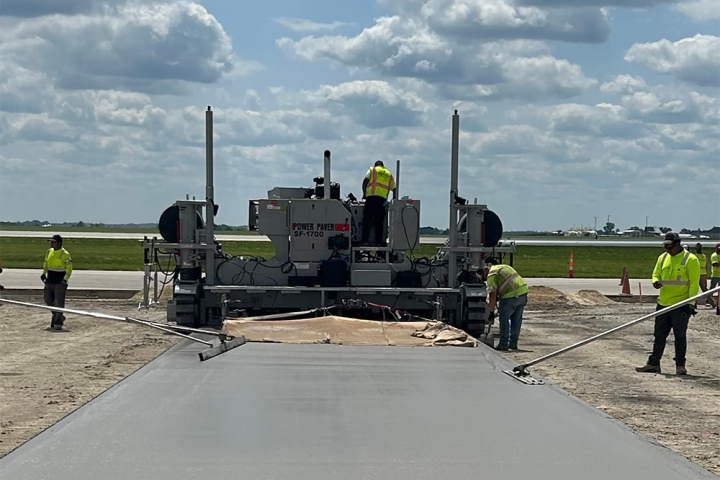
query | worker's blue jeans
(511,313)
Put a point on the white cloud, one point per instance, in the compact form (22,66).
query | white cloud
(596,3)
(701,11)
(303,25)
(695,59)
(135,46)
(502,19)
(374,104)
(601,120)
(407,48)
(670,105)
(624,84)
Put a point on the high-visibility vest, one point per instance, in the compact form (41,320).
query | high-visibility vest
(702,258)
(506,281)
(679,276)
(58,261)
(715,258)
(381,182)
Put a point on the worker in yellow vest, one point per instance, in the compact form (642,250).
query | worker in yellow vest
(508,287)
(377,185)
(715,261)
(702,258)
(57,269)
(677,276)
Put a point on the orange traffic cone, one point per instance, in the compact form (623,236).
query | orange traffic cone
(626,286)
(622,276)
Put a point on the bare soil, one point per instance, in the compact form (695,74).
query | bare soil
(45,375)
(682,413)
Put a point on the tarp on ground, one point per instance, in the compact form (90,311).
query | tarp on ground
(349,331)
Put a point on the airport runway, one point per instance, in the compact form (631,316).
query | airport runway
(97,279)
(529,241)
(320,412)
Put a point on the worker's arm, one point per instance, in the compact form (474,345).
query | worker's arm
(693,271)
(394,193)
(657,272)
(715,259)
(45,267)
(492,299)
(68,268)
(364,186)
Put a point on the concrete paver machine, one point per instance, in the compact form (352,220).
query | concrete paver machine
(320,262)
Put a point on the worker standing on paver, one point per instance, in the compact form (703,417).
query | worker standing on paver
(56,274)
(508,287)
(677,275)
(377,185)
(702,258)
(715,260)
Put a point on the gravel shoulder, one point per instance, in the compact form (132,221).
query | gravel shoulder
(45,375)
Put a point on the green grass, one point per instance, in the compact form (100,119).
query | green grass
(588,262)
(104,254)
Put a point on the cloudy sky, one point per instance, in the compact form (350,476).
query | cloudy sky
(570,109)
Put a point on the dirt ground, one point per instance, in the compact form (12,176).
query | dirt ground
(45,375)
(682,413)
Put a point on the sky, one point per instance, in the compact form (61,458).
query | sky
(569,109)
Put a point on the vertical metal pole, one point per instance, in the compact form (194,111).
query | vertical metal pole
(397,179)
(155,291)
(210,198)
(452,233)
(146,286)
(327,182)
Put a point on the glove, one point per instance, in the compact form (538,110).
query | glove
(657,285)
(64,282)
(43,277)
(386,204)
(491,318)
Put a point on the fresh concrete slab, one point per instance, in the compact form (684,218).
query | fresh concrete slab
(317,412)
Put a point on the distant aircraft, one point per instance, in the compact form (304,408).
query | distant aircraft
(686,235)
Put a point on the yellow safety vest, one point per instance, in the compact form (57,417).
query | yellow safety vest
(679,276)
(506,281)
(702,258)
(58,261)
(715,258)
(381,182)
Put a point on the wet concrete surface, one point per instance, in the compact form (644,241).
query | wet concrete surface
(277,411)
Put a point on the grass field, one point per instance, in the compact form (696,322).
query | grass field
(103,254)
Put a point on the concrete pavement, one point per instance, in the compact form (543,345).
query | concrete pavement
(80,279)
(324,412)
(97,279)
(529,241)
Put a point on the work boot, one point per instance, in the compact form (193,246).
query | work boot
(680,370)
(502,348)
(513,346)
(648,369)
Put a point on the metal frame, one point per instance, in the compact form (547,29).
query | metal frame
(463,251)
